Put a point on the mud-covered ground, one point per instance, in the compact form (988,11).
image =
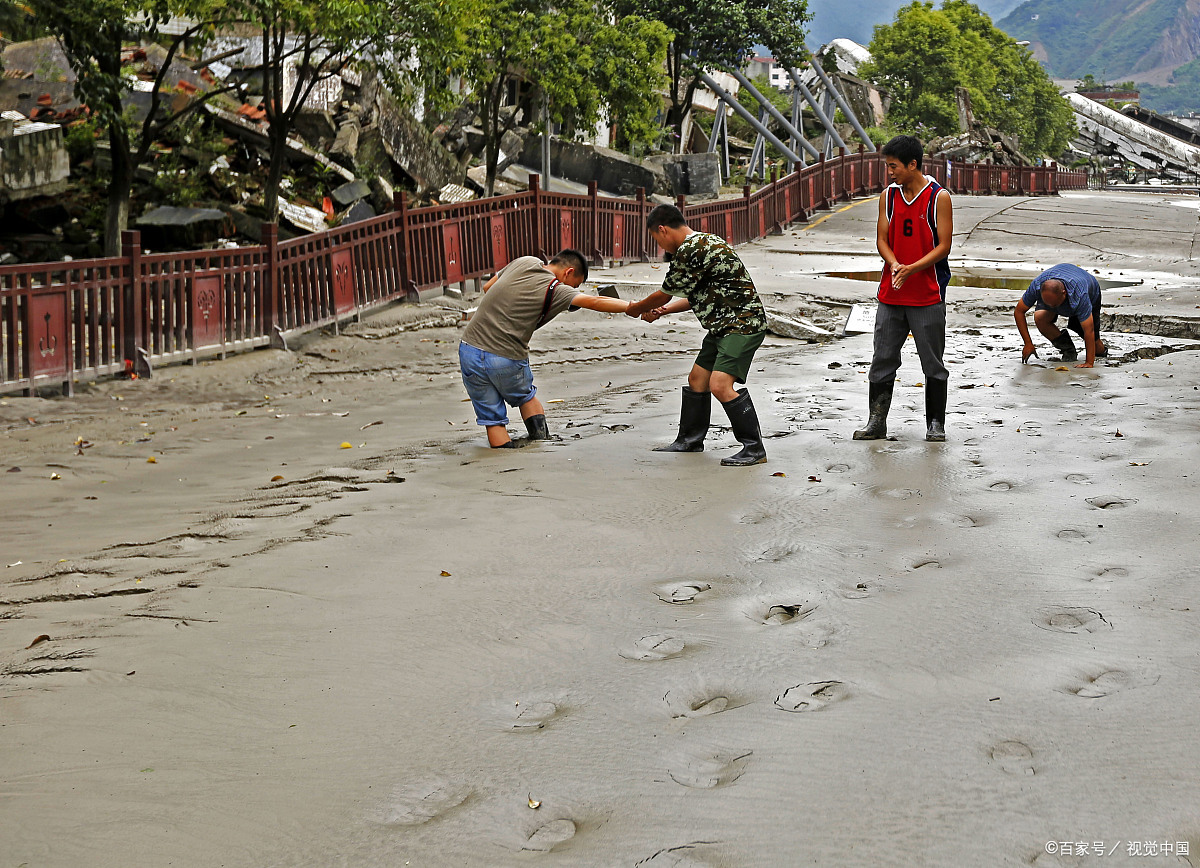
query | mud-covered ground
(326,626)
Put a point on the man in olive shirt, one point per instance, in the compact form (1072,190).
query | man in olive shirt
(708,277)
(494,352)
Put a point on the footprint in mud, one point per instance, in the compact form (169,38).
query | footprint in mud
(656,646)
(1071,534)
(549,835)
(898,493)
(683,856)
(1071,620)
(680,593)
(812,697)
(696,702)
(1107,574)
(1108,502)
(1014,758)
(925,563)
(1079,478)
(530,716)
(969,521)
(784,613)
(1001,486)
(1104,682)
(837,468)
(413,805)
(708,769)
(857,590)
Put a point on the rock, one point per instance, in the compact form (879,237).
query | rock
(171,228)
(383,194)
(789,326)
(360,210)
(316,128)
(345,144)
(689,174)
(412,147)
(611,170)
(351,192)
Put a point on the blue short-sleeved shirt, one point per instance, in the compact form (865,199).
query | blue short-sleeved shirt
(1083,291)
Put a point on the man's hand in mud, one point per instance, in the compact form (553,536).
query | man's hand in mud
(1027,351)
(1084,365)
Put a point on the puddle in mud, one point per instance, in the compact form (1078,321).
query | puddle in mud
(978,279)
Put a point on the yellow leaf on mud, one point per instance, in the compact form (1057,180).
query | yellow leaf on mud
(533,803)
(779,473)
(276,478)
(1062,368)
(55,476)
(444,573)
(346,445)
(151,460)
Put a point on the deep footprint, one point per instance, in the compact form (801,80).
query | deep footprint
(811,697)
(1109,502)
(682,593)
(786,613)
(695,703)
(530,717)
(549,835)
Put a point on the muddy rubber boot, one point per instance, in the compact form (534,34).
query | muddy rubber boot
(1066,346)
(935,411)
(694,416)
(879,401)
(744,421)
(511,444)
(537,427)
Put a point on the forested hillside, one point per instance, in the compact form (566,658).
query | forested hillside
(834,18)
(1111,39)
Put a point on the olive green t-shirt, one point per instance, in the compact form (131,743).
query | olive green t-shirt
(510,310)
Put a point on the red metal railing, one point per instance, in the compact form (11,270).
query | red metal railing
(65,321)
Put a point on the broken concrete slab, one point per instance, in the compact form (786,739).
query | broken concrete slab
(360,210)
(789,326)
(694,175)
(302,217)
(317,128)
(33,161)
(414,149)
(345,143)
(612,171)
(351,192)
(173,228)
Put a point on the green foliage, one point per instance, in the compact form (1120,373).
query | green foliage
(80,140)
(1181,96)
(715,33)
(1009,90)
(1099,36)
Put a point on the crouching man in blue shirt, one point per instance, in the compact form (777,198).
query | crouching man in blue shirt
(1063,290)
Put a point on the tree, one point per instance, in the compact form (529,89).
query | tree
(570,54)
(1009,90)
(92,34)
(717,33)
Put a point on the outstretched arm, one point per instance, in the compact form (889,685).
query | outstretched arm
(676,306)
(655,299)
(601,303)
(1023,327)
(1089,343)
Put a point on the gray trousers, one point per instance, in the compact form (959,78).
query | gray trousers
(893,322)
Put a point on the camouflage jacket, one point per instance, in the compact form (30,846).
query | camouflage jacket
(708,273)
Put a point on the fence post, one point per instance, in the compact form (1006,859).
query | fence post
(407,284)
(274,320)
(644,254)
(133,323)
(776,228)
(535,190)
(594,205)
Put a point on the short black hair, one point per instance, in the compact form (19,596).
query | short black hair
(905,149)
(665,215)
(569,257)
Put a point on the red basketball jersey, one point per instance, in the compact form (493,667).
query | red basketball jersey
(912,233)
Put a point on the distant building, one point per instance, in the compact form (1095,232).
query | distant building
(776,73)
(1108,93)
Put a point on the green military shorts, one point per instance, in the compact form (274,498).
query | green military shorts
(732,354)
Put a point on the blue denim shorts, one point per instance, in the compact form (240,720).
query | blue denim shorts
(493,381)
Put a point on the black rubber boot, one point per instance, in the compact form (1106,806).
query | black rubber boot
(935,410)
(537,427)
(511,444)
(694,416)
(1066,346)
(879,401)
(744,421)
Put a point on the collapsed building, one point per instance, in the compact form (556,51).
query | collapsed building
(1138,145)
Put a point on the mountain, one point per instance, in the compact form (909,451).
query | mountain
(1114,40)
(834,18)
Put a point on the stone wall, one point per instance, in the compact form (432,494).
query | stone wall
(33,162)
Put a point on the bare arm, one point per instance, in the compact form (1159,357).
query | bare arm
(491,282)
(945,228)
(658,298)
(1023,327)
(601,303)
(1089,343)
(676,306)
(881,234)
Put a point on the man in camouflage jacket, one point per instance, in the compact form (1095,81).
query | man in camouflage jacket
(709,278)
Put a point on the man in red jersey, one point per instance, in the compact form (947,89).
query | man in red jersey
(916,225)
